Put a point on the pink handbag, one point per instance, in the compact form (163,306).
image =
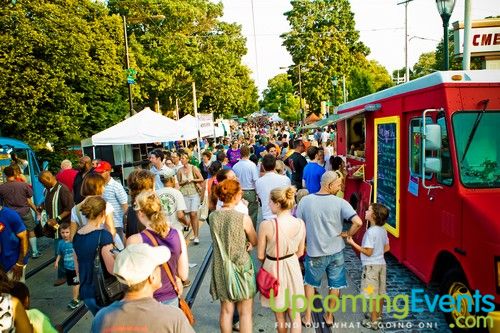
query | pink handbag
(265,280)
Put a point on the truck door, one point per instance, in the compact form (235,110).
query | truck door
(432,216)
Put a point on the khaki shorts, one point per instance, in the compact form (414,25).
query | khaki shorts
(373,280)
(29,221)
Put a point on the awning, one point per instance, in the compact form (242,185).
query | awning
(333,119)
(318,124)
(343,116)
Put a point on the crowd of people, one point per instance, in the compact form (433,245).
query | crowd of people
(296,182)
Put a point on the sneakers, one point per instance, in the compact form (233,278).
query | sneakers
(196,241)
(373,325)
(74,303)
(59,282)
(36,255)
(236,327)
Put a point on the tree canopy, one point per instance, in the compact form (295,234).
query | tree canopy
(63,75)
(323,39)
(279,96)
(60,73)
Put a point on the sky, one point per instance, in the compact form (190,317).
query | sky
(380,23)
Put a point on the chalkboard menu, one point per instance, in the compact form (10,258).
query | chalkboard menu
(387,170)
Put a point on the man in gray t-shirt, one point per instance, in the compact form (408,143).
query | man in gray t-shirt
(139,267)
(323,214)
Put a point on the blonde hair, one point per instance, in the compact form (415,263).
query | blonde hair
(150,205)
(93,207)
(280,167)
(284,196)
(300,194)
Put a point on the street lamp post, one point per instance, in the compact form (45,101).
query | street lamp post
(127,62)
(300,96)
(130,71)
(445,8)
(335,82)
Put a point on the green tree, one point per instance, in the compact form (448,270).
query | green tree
(190,45)
(324,41)
(426,64)
(279,97)
(381,78)
(61,73)
(367,78)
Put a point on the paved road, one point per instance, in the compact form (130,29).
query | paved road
(53,300)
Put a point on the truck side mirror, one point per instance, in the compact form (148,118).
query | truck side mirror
(432,137)
(432,164)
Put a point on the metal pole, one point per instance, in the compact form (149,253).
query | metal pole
(177,108)
(300,96)
(407,73)
(467,30)
(195,107)
(127,62)
(446,19)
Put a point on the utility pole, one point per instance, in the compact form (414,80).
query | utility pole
(467,29)
(407,73)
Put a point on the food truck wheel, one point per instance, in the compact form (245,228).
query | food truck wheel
(455,285)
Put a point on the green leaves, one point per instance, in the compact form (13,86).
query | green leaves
(280,97)
(59,65)
(62,64)
(324,41)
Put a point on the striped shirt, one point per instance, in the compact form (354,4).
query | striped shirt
(116,196)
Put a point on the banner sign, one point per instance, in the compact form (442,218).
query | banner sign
(206,123)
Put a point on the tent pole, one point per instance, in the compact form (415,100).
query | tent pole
(123,171)
(195,106)
(93,152)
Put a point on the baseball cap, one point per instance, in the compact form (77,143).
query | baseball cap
(138,261)
(102,166)
(166,173)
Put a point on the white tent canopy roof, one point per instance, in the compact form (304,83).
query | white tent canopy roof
(189,127)
(145,126)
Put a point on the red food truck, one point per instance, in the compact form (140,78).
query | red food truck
(429,150)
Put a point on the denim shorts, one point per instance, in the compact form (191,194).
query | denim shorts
(334,267)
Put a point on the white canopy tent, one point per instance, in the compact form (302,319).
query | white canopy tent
(188,126)
(145,126)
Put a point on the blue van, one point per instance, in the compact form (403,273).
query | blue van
(27,162)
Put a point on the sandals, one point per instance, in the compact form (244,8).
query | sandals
(304,324)
(328,324)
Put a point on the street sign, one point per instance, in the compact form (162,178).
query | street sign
(131,73)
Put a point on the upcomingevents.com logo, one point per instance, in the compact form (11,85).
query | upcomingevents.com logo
(399,306)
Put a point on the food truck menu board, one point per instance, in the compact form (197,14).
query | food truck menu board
(386,181)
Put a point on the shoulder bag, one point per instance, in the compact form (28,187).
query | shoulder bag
(182,303)
(107,287)
(266,282)
(48,230)
(239,279)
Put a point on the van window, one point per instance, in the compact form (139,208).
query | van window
(415,140)
(446,175)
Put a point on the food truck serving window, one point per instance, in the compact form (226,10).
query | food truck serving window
(356,136)
(478,148)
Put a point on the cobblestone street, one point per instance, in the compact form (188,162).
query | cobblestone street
(400,281)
